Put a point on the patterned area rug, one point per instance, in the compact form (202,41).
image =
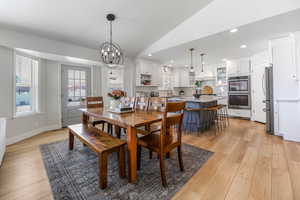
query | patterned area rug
(73,174)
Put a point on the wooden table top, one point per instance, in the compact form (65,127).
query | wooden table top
(133,119)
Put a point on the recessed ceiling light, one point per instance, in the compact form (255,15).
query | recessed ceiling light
(224,59)
(186,65)
(149,54)
(243,46)
(234,30)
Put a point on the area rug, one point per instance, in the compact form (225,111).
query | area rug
(73,174)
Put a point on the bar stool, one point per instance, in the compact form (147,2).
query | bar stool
(223,114)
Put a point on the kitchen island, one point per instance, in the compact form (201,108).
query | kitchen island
(195,121)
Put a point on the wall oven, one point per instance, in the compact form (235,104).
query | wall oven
(239,84)
(239,92)
(239,101)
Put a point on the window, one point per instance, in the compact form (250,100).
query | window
(76,87)
(26,85)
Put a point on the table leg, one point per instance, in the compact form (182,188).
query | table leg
(84,118)
(132,154)
(118,131)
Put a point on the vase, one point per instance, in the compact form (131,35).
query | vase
(114,104)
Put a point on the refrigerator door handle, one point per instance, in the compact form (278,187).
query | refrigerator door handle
(263,83)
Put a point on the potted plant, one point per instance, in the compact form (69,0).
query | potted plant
(116,96)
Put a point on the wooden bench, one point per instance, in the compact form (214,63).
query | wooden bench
(101,143)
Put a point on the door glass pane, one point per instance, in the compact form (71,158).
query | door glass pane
(83,88)
(82,75)
(71,74)
(77,88)
(77,74)
(71,88)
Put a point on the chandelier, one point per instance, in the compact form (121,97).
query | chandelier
(111,53)
(191,66)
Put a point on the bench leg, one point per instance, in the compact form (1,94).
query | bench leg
(103,170)
(71,141)
(122,162)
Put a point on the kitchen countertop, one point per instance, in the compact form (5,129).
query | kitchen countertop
(202,99)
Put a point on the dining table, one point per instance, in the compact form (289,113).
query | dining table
(129,121)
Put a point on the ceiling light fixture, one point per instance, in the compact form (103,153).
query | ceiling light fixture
(234,30)
(202,61)
(243,46)
(191,66)
(149,54)
(111,53)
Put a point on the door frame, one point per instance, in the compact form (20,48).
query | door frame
(61,64)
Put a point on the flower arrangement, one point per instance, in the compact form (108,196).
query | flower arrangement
(116,94)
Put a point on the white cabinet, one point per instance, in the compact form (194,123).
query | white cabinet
(286,86)
(239,113)
(238,67)
(181,77)
(150,70)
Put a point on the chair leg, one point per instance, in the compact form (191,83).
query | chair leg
(139,155)
(162,169)
(180,158)
(103,170)
(150,154)
(71,141)
(122,170)
(103,126)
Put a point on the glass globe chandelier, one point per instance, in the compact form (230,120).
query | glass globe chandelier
(111,53)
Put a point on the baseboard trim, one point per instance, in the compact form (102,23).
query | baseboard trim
(24,136)
(291,138)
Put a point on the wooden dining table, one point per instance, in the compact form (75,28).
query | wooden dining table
(129,121)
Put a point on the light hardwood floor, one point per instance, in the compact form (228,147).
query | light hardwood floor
(247,164)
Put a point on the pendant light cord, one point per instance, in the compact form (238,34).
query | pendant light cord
(111,33)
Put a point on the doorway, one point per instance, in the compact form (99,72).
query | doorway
(75,87)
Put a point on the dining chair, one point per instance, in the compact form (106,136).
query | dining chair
(141,103)
(97,102)
(168,138)
(156,104)
(129,101)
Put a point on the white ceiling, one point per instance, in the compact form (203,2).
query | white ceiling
(227,45)
(82,22)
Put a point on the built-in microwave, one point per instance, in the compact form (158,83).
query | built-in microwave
(239,84)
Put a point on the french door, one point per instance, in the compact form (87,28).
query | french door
(75,87)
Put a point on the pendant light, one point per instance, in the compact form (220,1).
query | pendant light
(202,61)
(111,53)
(191,66)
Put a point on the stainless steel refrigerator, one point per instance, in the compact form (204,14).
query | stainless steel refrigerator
(269,100)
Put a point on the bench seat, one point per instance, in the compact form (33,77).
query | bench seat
(101,143)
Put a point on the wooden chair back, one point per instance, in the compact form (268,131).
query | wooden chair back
(157,104)
(141,103)
(129,101)
(207,90)
(172,122)
(94,102)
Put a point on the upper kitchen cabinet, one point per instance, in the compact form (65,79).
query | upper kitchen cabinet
(209,72)
(148,73)
(240,67)
(181,77)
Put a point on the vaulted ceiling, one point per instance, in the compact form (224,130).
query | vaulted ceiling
(139,22)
